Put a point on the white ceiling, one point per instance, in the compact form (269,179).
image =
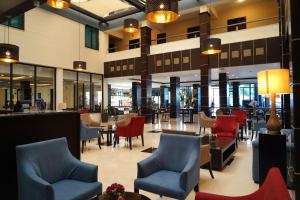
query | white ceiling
(240,72)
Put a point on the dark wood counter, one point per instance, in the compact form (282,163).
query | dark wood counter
(23,128)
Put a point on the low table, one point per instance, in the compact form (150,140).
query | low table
(222,151)
(127,196)
(108,132)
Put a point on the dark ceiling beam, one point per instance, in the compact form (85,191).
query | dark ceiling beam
(122,14)
(88,13)
(136,4)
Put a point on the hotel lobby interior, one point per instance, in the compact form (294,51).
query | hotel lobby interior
(150,99)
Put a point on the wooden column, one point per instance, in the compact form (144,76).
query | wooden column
(146,78)
(223,89)
(236,94)
(295,48)
(284,62)
(175,98)
(204,24)
(109,94)
(136,95)
(196,96)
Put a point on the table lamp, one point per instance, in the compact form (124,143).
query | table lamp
(272,82)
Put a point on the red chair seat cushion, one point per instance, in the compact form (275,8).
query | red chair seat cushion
(225,134)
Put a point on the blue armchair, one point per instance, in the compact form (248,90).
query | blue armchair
(47,170)
(173,169)
(87,133)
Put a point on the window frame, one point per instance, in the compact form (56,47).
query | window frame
(92,32)
(135,44)
(161,38)
(190,32)
(20,16)
(242,24)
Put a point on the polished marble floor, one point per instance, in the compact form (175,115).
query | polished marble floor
(120,164)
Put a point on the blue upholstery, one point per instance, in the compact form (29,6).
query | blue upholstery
(47,170)
(87,133)
(289,148)
(173,169)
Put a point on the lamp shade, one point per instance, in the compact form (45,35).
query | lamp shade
(273,81)
(131,25)
(79,65)
(9,53)
(162,11)
(59,4)
(211,46)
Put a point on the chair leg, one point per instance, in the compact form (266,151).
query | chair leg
(130,143)
(136,190)
(99,142)
(143,139)
(82,146)
(196,188)
(210,171)
(115,141)
(204,130)
(200,131)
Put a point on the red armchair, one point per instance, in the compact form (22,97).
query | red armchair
(133,129)
(242,120)
(225,126)
(273,188)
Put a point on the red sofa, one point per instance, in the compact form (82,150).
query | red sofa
(225,126)
(133,129)
(242,120)
(273,188)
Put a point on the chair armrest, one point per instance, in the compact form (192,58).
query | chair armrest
(204,154)
(215,128)
(39,188)
(83,171)
(148,166)
(123,130)
(190,174)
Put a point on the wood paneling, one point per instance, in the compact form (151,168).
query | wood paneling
(131,66)
(235,54)
(224,56)
(273,50)
(151,64)
(186,60)
(159,64)
(176,61)
(124,67)
(214,60)
(112,68)
(168,62)
(195,58)
(118,68)
(137,66)
(260,51)
(106,70)
(247,53)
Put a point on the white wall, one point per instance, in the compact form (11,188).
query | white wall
(52,40)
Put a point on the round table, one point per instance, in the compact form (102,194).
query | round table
(127,196)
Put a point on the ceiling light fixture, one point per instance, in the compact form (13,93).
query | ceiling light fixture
(59,4)
(211,46)
(9,53)
(131,25)
(79,1)
(162,11)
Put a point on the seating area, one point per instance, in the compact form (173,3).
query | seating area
(150,99)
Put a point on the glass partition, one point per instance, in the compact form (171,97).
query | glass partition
(4,86)
(84,90)
(45,80)
(97,92)
(70,85)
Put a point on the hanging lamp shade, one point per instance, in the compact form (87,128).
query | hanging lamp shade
(131,25)
(59,4)
(9,53)
(79,65)
(211,46)
(162,11)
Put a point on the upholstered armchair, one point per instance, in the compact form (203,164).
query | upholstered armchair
(47,170)
(133,129)
(87,133)
(205,122)
(273,188)
(226,126)
(173,169)
(242,120)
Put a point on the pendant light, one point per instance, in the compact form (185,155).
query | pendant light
(78,64)
(9,53)
(211,46)
(79,1)
(59,4)
(162,11)
(131,25)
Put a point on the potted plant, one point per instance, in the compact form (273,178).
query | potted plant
(115,191)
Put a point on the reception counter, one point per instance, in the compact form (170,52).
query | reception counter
(24,128)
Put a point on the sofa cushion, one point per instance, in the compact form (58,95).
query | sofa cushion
(75,190)
(162,182)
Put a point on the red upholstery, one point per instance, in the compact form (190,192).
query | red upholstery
(225,126)
(273,188)
(241,116)
(83,111)
(134,128)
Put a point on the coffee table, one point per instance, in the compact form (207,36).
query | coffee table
(127,196)
(108,132)
(222,152)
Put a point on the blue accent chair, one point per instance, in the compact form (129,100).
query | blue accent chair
(47,170)
(173,169)
(87,133)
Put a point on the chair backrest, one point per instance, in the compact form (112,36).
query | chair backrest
(226,122)
(241,115)
(219,112)
(137,125)
(174,151)
(273,188)
(85,118)
(49,160)
(95,119)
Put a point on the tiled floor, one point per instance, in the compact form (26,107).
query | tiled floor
(119,164)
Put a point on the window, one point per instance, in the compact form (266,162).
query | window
(236,24)
(70,91)
(84,91)
(134,43)
(5,86)
(16,22)
(97,92)
(45,79)
(193,32)
(161,38)
(91,38)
